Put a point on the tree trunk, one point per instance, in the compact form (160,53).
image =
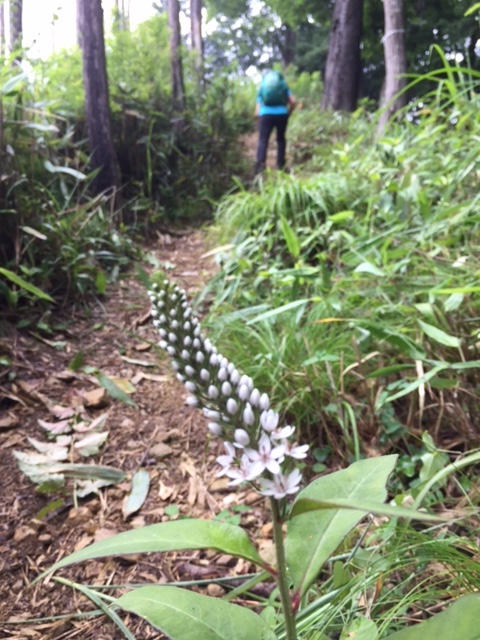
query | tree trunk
(97,108)
(16,25)
(289,47)
(2,29)
(79,23)
(196,37)
(343,67)
(395,61)
(178,91)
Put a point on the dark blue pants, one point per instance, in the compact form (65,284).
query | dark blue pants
(267,124)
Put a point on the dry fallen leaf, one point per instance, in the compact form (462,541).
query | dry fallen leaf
(95,398)
(9,421)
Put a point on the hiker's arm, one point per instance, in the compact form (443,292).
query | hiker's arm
(291,103)
(257,109)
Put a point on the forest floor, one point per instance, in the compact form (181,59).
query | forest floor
(162,434)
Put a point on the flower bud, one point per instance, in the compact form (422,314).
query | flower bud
(241,437)
(212,392)
(269,420)
(185,355)
(190,386)
(189,370)
(187,326)
(222,374)
(243,392)
(172,337)
(248,416)
(171,350)
(196,342)
(192,401)
(176,365)
(162,333)
(232,406)
(173,312)
(226,388)
(213,360)
(180,377)
(162,344)
(199,357)
(205,375)
(230,367)
(212,415)
(264,402)
(214,428)
(234,377)
(255,397)
(174,324)
(187,341)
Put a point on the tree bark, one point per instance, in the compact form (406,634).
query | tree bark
(79,23)
(97,108)
(196,37)
(178,91)
(395,61)
(16,25)
(343,67)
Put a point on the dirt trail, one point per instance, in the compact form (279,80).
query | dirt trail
(162,435)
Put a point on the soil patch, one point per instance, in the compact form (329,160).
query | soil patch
(162,434)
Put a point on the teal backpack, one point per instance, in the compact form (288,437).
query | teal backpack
(274,90)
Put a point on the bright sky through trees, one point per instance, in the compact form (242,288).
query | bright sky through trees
(49,25)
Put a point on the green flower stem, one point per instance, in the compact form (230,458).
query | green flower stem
(289,616)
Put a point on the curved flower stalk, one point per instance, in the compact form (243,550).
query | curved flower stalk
(257,450)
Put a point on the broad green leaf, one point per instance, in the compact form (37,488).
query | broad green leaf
(291,239)
(138,492)
(458,622)
(77,361)
(186,615)
(279,310)
(367,506)
(72,172)
(88,471)
(341,216)
(114,390)
(171,536)
(368,267)
(13,83)
(312,537)
(438,335)
(25,285)
(360,629)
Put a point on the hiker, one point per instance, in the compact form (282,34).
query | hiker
(275,103)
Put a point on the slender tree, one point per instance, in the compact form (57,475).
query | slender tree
(178,90)
(393,97)
(343,68)
(196,36)
(97,108)
(16,25)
